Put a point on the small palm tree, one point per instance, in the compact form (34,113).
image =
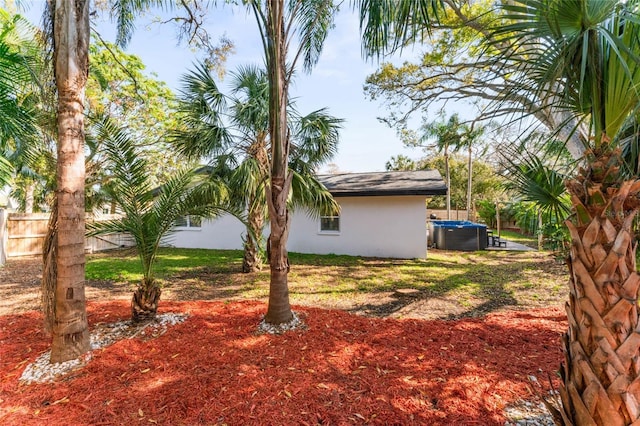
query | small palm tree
(233,132)
(538,178)
(149,215)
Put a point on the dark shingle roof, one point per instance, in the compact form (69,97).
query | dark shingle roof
(420,182)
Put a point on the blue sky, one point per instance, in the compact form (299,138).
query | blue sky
(336,82)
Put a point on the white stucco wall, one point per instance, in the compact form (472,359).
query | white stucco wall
(369,226)
(224,232)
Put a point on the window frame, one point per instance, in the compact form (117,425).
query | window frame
(329,231)
(189,223)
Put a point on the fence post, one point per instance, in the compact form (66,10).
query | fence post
(3,236)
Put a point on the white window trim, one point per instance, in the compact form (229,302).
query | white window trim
(329,232)
(188,226)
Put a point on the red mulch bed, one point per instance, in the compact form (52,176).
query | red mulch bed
(343,369)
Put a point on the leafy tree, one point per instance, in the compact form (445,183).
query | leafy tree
(583,58)
(118,87)
(487,184)
(401,163)
(464,61)
(487,212)
(233,132)
(450,135)
(149,216)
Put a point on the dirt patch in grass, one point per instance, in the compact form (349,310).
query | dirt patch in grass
(341,369)
(447,285)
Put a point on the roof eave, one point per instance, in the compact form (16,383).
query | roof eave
(365,193)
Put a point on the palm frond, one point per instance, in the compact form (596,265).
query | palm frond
(250,110)
(308,193)
(202,107)
(6,171)
(314,20)
(124,12)
(387,25)
(577,56)
(150,215)
(316,137)
(536,181)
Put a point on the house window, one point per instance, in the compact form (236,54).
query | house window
(189,222)
(330,224)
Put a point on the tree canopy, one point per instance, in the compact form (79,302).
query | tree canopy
(464,60)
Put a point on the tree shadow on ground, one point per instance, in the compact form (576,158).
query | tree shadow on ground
(341,369)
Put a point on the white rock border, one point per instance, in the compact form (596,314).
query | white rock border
(104,334)
(295,323)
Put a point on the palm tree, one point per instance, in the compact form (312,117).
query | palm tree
(447,135)
(233,133)
(471,135)
(280,22)
(67,23)
(536,177)
(66,259)
(19,53)
(586,56)
(150,216)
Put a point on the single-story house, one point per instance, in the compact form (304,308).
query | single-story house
(382,214)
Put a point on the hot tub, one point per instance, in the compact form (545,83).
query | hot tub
(458,235)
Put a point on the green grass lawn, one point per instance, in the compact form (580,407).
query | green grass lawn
(516,237)
(446,283)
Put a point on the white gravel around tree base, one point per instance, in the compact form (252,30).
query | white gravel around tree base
(102,335)
(528,413)
(265,327)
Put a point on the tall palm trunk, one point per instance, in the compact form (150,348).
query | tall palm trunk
(601,372)
(539,231)
(279,309)
(447,173)
(71,42)
(29,190)
(469,183)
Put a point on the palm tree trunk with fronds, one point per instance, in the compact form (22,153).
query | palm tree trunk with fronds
(539,231)
(71,51)
(601,372)
(279,308)
(144,304)
(252,261)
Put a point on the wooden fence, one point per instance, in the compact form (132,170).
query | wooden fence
(455,214)
(25,235)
